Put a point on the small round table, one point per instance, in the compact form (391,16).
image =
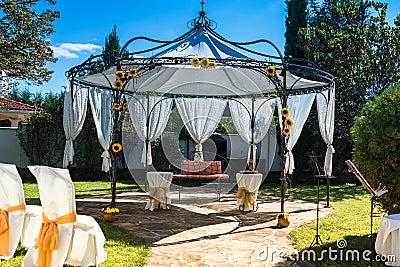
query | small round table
(159,184)
(248,185)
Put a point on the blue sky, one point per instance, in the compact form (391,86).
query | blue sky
(83,25)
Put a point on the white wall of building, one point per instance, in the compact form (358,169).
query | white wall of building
(10,149)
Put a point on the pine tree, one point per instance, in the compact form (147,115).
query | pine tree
(296,18)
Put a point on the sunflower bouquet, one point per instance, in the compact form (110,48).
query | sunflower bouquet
(110,210)
(283,219)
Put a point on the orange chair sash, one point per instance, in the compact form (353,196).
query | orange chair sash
(4,226)
(47,240)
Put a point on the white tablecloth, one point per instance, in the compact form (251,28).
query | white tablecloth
(388,238)
(159,183)
(251,183)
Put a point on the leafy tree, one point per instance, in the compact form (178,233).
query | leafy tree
(296,18)
(23,39)
(42,135)
(377,145)
(352,40)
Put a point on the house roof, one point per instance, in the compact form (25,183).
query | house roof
(9,104)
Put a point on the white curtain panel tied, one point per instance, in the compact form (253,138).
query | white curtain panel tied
(326,120)
(75,107)
(299,106)
(156,110)
(241,111)
(200,117)
(101,105)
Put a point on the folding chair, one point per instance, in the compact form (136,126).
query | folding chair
(14,214)
(80,240)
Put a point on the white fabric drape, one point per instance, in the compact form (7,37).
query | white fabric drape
(75,107)
(101,105)
(157,110)
(299,106)
(200,117)
(326,120)
(241,110)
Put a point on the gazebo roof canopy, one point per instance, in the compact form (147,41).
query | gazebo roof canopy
(171,72)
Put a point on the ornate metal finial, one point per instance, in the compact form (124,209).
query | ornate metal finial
(202,20)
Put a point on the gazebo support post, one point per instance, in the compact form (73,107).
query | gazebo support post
(283,96)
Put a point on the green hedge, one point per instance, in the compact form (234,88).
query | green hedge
(376,135)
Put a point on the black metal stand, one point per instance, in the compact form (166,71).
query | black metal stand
(317,238)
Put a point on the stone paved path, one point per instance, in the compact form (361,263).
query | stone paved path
(212,235)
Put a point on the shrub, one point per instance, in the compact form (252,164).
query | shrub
(376,135)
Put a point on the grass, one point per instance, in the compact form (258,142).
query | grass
(349,220)
(122,247)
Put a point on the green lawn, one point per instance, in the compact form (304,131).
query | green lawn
(122,247)
(349,220)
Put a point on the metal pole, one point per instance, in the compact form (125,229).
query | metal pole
(283,143)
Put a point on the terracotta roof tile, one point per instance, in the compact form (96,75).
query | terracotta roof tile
(15,105)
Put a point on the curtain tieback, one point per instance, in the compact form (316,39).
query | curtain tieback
(47,240)
(4,226)
(330,149)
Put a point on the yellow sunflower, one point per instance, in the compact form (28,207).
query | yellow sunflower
(116,147)
(125,105)
(285,112)
(212,65)
(119,74)
(282,215)
(133,73)
(270,70)
(117,106)
(204,63)
(118,84)
(194,61)
(286,131)
(289,122)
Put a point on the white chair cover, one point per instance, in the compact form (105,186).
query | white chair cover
(57,196)
(101,103)
(200,117)
(75,106)
(241,110)
(157,110)
(12,194)
(299,106)
(326,120)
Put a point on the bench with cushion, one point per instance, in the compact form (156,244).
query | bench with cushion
(202,170)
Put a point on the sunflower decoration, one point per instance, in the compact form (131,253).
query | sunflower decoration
(289,122)
(212,65)
(119,74)
(118,84)
(117,107)
(204,63)
(116,147)
(270,70)
(125,106)
(286,131)
(285,112)
(283,219)
(194,61)
(133,73)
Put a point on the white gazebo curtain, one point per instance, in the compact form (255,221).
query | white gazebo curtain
(299,106)
(75,107)
(326,120)
(241,111)
(101,105)
(156,110)
(200,117)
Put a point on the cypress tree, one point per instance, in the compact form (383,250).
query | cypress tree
(111,47)
(296,18)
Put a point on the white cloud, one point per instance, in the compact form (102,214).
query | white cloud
(67,49)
